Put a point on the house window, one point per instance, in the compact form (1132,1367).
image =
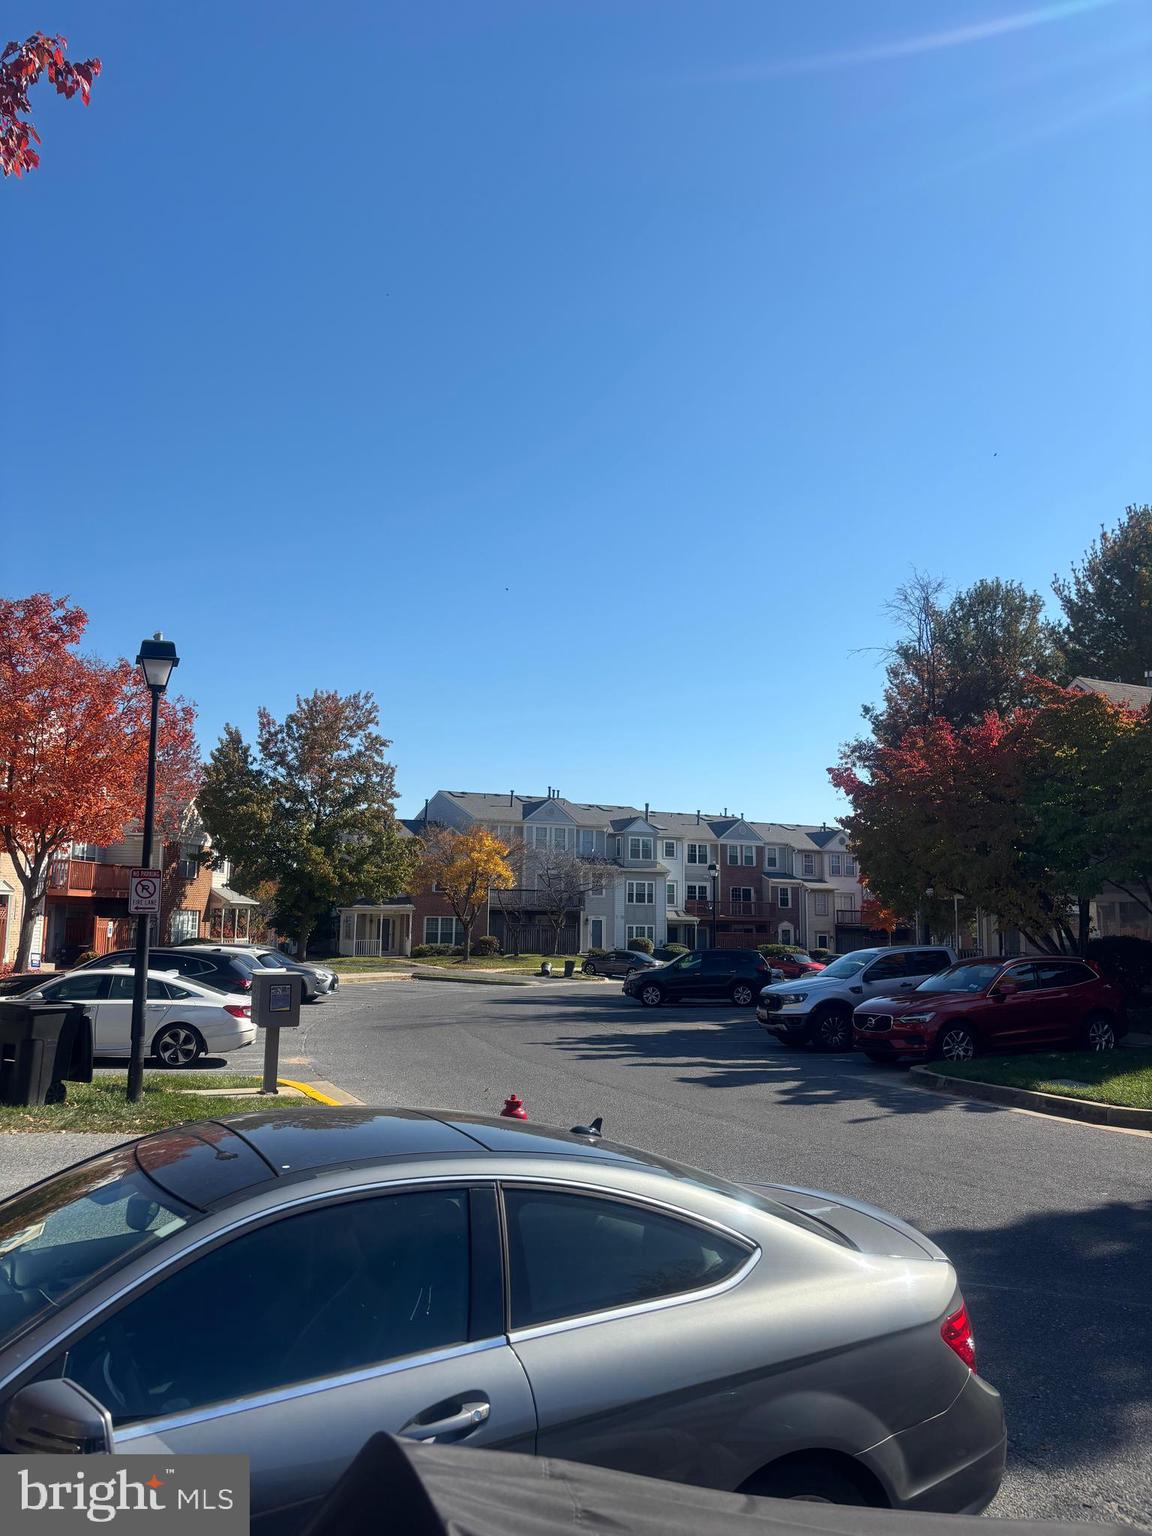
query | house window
(696,892)
(809,863)
(189,868)
(671,893)
(835,863)
(560,838)
(587,840)
(849,864)
(183,925)
(639,847)
(641,931)
(443,930)
(822,941)
(742,853)
(698,853)
(783,897)
(771,858)
(821,903)
(85,851)
(641,893)
(540,837)
(740,893)
(669,848)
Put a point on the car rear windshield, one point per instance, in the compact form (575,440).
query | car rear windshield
(961,978)
(59,1236)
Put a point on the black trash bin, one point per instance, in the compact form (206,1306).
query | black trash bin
(569,967)
(42,1045)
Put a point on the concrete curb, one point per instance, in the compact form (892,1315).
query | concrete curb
(1085,1110)
(482,978)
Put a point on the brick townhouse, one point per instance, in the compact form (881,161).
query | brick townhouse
(668,876)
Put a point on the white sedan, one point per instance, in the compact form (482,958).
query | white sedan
(182,1018)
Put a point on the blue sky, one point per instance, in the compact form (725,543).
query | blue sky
(578,375)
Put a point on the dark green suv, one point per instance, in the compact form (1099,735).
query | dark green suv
(737,974)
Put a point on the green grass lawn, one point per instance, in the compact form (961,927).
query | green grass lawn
(102,1106)
(348,965)
(1110,1077)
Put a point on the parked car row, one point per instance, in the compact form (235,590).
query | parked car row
(918,1003)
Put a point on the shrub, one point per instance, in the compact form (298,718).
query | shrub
(422,951)
(823,955)
(1124,959)
(595,953)
(85,955)
(780,951)
(486,944)
(676,949)
(641,945)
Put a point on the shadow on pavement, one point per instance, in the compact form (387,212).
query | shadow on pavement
(717,1046)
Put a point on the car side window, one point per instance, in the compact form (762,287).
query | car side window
(120,990)
(78,989)
(1061,973)
(348,1286)
(689,963)
(886,968)
(927,962)
(1024,976)
(570,1255)
(715,964)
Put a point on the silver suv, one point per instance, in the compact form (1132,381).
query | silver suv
(819,1008)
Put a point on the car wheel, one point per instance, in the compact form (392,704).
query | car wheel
(955,1042)
(811,1480)
(588,968)
(651,995)
(831,1029)
(178,1045)
(743,995)
(1098,1033)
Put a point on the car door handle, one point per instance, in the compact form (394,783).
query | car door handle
(462,1421)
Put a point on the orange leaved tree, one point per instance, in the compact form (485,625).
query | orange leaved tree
(74,746)
(463,867)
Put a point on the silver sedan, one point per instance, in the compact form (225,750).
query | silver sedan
(284,1283)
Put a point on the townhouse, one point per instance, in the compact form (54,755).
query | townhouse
(668,876)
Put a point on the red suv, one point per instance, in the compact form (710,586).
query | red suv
(993,1005)
(793,965)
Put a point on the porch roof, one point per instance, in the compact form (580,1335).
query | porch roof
(225,896)
(397,904)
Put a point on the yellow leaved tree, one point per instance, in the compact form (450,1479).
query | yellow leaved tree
(463,867)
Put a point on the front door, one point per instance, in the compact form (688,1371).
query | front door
(886,976)
(595,933)
(298,1339)
(1011,1021)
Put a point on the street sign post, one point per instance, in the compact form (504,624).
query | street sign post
(144,892)
(276,999)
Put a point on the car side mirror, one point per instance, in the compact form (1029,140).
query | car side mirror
(1006,989)
(56,1418)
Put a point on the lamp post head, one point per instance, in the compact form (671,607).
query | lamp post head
(156,659)
(713,869)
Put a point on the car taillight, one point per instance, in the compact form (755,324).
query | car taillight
(956,1331)
(238,1010)
(245,985)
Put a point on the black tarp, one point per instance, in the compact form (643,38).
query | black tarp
(397,1488)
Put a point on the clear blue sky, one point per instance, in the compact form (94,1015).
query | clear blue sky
(578,375)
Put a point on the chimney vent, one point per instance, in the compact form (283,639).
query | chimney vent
(511,797)
(646,810)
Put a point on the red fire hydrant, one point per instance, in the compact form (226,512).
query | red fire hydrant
(514,1108)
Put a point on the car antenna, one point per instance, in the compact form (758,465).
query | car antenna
(593,1131)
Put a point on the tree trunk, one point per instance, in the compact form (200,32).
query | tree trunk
(302,943)
(1084,919)
(33,906)
(468,938)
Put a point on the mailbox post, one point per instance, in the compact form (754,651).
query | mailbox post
(276,998)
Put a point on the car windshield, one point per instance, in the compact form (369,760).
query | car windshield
(961,978)
(57,1237)
(849,965)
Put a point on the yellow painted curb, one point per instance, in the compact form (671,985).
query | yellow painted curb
(308,1091)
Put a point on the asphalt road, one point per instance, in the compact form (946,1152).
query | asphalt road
(1049,1223)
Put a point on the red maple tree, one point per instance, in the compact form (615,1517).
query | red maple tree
(21,66)
(74,746)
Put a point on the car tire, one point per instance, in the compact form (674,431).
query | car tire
(831,1028)
(811,1479)
(178,1045)
(1098,1033)
(651,995)
(743,994)
(588,968)
(955,1042)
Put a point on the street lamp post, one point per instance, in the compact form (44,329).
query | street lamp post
(714,871)
(156,659)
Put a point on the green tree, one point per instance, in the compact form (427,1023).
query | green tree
(1107,602)
(312,810)
(957,658)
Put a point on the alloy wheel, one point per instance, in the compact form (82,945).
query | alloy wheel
(177,1045)
(957,1045)
(651,996)
(742,995)
(834,1031)
(1099,1035)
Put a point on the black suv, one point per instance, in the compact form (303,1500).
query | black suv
(738,974)
(231,973)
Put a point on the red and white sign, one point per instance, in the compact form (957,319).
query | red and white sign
(144,893)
